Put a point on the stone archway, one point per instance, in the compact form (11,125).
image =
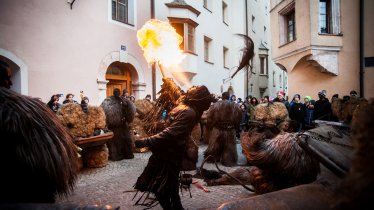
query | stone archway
(138,82)
(19,71)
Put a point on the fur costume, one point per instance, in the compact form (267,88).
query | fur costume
(38,157)
(279,161)
(344,111)
(161,175)
(356,190)
(143,107)
(79,123)
(222,121)
(120,112)
(170,96)
(271,112)
(276,159)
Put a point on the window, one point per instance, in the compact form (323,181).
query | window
(123,11)
(253,23)
(207,4)
(329,16)
(280,81)
(224,12)
(185,28)
(265,35)
(274,79)
(207,49)
(290,18)
(225,57)
(287,30)
(263,65)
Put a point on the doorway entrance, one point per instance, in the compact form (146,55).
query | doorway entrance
(119,76)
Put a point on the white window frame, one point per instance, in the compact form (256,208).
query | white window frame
(253,24)
(225,52)
(189,35)
(132,13)
(332,17)
(208,49)
(263,64)
(284,26)
(207,4)
(225,13)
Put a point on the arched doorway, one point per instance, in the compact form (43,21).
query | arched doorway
(19,71)
(119,76)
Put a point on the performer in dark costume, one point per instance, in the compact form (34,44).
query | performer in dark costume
(37,154)
(119,112)
(160,176)
(222,122)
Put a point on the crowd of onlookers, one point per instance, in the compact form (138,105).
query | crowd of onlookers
(303,110)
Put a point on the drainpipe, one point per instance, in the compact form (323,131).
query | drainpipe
(246,33)
(362,60)
(153,64)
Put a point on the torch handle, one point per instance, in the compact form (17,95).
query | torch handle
(162,70)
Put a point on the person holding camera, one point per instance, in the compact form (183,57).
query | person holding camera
(54,104)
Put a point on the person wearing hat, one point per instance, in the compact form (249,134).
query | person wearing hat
(280,98)
(308,113)
(322,108)
(297,111)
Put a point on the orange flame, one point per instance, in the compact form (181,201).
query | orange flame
(160,43)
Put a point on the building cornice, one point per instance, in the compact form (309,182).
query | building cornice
(308,48)
(182,5)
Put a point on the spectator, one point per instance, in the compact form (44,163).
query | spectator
(53,103)
(309,113)
(322,107)
(233,98)
(84,104)
(125,93)
(69,99)
(148,98)
(297,111)
(132,98)
(280,98)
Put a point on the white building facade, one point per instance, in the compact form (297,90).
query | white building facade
(91,46)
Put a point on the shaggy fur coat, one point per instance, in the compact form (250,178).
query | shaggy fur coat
(119,112)
(223,120)
(37,154)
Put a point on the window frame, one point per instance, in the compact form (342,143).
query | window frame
(225,52)
(189,33)
(207,49)
(225,13)
(290,17)
(284,27)
(115,15)
(264,65)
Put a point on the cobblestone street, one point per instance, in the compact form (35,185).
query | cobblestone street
(106,186)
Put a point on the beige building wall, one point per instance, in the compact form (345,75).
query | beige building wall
(63,50)
(318,61)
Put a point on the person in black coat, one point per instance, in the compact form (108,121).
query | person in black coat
(53,103)
(160,176)
(322,107)
(297,111)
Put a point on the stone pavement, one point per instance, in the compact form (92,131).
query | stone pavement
(106,186)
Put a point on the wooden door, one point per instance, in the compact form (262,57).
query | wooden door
(119,77)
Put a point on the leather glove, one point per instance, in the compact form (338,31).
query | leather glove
(141,143)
